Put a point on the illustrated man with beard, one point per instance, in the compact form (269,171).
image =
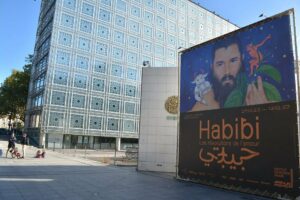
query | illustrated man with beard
(227,72)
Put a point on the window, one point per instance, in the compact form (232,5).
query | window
(69,4)
(78,101)
(103,32)
(115,88)
(85,26)
(104,15)
(80,81)
(67,20)
(56,119)
(60,78)
(82,62)
(116,70)
(97,103)
(62,58)
(84,44)
(100,66)
(95,123)
(101,49)
(114,106)
(58,98)
(98,85)
(65,39)
(112,124)
(87,9)
(76,121)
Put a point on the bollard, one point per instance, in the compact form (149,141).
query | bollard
(75,150)
(53,146)
(84,151)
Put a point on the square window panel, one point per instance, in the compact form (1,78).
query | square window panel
(133,26)
(117,53)
(148,17)
(62,58)
(129,126)
(76,121)
(115,88)
(103,32)
(148,31)
(135,11)
(58,98)
(161,8)
(148,3)
(60,78)
(84,44)
(96,123)
(112,124)
(65,39)
(121,5)
(120,21)
(114,106)
(160,36)
(131,73)
(87,9)
(172,27)
(173,2)
(129,108)
(78,101)
(67,20)
(130,90)
(100,66)
(172,14)
(116,70)
(82,62)
(85,26)
(132,57)
(71,4)
(98,85)
(101,49)
(119,37)
(160,22)
(159,50)
(106,2)
(171,40)
(104,15)
(80,81)
(97,103)
(147,46)
(133,41)
(56,119)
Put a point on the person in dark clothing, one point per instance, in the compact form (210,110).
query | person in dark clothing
(11,143)
(24,142)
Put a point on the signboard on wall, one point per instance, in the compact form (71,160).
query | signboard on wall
(238,110)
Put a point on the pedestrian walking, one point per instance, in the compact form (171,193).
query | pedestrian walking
(11,143)
(24,142)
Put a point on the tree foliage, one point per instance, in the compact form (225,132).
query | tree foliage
(14,92)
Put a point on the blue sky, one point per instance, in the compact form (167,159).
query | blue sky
(19,18)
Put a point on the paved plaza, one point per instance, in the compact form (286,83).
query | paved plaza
(60,176)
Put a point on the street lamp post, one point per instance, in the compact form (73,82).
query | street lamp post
(9,122)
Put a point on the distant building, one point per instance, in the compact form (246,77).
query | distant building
(86,76)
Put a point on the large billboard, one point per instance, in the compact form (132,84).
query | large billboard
(238,110)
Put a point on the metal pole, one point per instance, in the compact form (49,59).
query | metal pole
(115,153)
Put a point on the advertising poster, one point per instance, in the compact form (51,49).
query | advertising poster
(238,111)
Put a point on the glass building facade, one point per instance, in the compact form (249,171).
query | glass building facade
(86,75)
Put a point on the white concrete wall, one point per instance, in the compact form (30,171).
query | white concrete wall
(158,131)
